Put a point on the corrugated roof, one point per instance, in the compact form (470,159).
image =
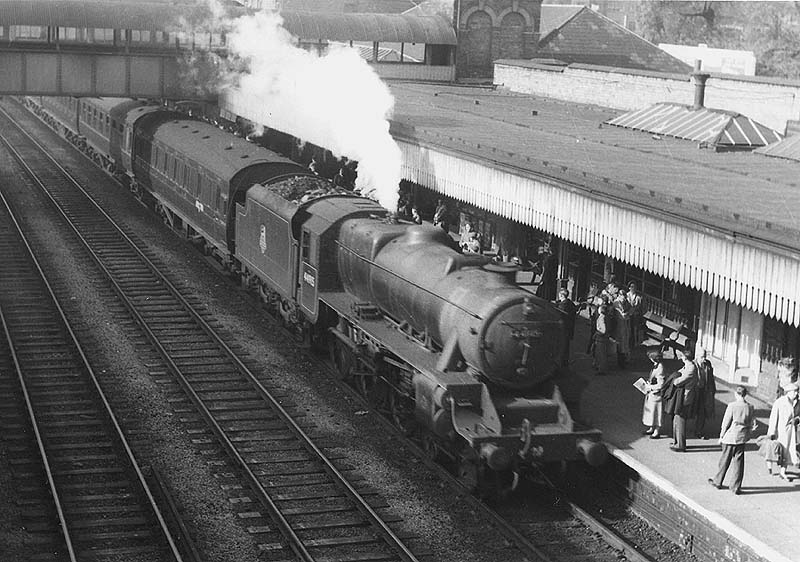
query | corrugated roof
(718,128)
(392,28)
(788,148)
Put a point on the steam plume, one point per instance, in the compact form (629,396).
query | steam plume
(336,100)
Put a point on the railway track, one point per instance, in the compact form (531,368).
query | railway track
(308,509)
(95,501)
(579,536)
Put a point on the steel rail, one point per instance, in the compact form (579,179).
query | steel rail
(90,372)
(29,406)
(389,535)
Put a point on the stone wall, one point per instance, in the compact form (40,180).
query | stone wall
(771,101)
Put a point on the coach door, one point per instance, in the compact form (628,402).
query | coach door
(308,274)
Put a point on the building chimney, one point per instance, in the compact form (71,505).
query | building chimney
(699,79)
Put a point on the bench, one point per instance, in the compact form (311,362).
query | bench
(666,334)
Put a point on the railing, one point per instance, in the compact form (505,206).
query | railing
(671,311)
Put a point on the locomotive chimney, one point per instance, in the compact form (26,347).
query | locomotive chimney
(699,79)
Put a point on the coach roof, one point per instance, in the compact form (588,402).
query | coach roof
(218,151)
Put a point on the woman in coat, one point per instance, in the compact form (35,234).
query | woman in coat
(783,426)
(653,409)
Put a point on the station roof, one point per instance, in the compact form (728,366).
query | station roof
(392,28)
(734,192)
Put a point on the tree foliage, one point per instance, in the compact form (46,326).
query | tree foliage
(770,29)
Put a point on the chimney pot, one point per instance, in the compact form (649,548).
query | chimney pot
(699,79)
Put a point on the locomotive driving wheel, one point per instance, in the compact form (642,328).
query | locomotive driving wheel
(342,358)
(400,410)
(365,383)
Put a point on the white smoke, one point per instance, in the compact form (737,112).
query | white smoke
(335,100)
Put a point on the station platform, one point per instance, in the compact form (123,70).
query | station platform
(759,524)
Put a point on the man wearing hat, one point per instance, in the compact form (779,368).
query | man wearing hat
(738,421)
(783,426)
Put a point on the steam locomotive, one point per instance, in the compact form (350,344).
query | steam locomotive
(446,343)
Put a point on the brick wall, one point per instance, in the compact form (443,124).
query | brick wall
(491,29)
(771,101)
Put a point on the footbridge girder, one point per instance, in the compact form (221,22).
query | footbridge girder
(101,48)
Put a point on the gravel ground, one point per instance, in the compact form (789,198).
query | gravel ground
(427,506)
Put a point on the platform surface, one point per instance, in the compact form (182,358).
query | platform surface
(764,516)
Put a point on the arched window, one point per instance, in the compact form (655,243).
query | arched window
(511,36)
(478,45)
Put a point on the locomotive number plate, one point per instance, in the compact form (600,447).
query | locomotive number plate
(524,331)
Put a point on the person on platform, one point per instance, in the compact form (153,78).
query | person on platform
(591,304)
(787,374)
(706,389)
(604,327)
(314,166)
(415,216)
(440,216)
(569,309)
(685,392)
(784,420)
(622,329)
(636,314)
(737,423)
(653,410)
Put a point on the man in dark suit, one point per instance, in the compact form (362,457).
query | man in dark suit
(569,309)
(706,389)
(737,423)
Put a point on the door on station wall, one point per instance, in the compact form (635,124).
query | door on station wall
(511,36)
(478,46)
(733,334)
(718,345)
(748,347)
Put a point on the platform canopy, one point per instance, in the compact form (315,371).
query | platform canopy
(389,28)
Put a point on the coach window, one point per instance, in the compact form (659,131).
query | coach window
(140,36)
(306,247)
(27,32)
(102,35)
(68,33)
(218,196)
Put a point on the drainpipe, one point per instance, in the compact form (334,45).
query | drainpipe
(699,79)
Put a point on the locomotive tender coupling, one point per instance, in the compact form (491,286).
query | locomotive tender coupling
(446,342)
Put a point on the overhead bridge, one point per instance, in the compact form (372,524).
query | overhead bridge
(160,50)
(100,48)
